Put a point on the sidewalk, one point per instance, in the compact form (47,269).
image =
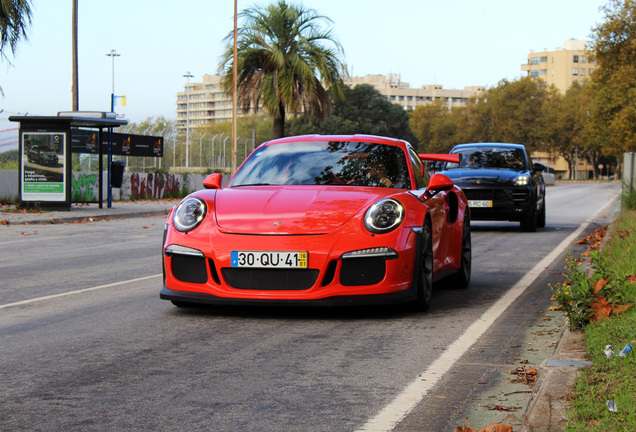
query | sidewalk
(78,212)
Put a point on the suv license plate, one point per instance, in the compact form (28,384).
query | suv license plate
(482,204)
(262,259)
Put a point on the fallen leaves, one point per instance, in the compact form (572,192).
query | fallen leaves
(602,309)
(525,376)
(495,427)
(595,238)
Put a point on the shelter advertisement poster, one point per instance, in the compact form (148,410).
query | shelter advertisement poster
(43,166)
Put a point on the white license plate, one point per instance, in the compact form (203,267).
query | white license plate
(269,259)
(483,204)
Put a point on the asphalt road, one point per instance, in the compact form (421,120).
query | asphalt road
(88,345)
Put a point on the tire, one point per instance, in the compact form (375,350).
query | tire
(462,278)
(425,271)
(530,223)
(541,217)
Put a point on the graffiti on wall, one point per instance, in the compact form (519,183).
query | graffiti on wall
(84,187)
(154,185)
(134,186)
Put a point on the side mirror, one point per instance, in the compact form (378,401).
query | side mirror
(213,181)
(538,166)
(439,183)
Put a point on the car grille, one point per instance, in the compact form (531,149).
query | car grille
(270,279)
(518,196)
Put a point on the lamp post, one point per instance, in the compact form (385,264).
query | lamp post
(112,54)
(188,75)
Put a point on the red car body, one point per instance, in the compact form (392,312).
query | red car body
(313,234)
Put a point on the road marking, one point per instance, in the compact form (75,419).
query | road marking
(413,394)
(81,291)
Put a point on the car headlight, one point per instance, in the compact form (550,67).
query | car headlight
(189,214)
(523,180)
(384,216)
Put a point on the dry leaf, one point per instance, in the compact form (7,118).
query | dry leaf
(600,284)
(144,227)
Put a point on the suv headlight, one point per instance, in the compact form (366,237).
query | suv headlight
(189,214)
(384,216)
(522,180)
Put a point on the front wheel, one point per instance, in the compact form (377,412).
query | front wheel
(462,278)
(425,270)
(541,218)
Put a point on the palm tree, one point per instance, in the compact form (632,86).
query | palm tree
(15,17)
(286,63)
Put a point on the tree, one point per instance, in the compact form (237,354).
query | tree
(286,63)
(614,80)
(435,127)
(15,17)
(510,112)
(363,110)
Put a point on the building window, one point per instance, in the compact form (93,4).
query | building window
(575,59)
(534,61)
(543,72)
(575,71)
(582,72)
(534,73)
(544,59)
(591,71)
(582,59)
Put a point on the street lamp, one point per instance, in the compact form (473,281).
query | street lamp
(112,54)
(188,75)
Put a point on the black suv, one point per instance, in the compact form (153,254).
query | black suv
(500,182)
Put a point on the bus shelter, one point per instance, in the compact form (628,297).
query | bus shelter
(45,174)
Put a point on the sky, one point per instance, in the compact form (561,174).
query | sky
(455,43)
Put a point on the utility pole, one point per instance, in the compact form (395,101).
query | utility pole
(75,89)
(234,67)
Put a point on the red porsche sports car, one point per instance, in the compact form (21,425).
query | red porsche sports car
(318,219)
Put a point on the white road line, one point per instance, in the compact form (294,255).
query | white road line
(69,293)
(395,411)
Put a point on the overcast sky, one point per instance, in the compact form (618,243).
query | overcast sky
(455,43)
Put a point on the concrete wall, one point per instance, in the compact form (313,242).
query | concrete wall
(9,184)
(134,185)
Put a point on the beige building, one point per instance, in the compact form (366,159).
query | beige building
(403,94)
(563,66)
(205,102)
(202,103)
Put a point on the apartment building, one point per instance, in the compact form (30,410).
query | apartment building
(201,103)
(562,66)
(403,94)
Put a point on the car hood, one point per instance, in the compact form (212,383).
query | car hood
(482,177)
(291,210)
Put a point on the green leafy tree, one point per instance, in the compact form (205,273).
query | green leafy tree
(435,126)
(287,63)
(364,110)
(565,118)
(15,17)
(614,80)
(510,112)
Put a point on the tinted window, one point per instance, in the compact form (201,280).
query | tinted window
(490,157)
(325,163)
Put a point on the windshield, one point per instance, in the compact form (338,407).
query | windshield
(325,163)
(489,157)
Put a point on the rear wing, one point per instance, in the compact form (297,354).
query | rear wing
(455,158)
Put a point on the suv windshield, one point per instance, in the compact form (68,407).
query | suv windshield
(489,157)
(325,163)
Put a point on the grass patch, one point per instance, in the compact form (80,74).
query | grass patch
(613,378)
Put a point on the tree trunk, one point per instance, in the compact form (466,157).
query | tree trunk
(279,123)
